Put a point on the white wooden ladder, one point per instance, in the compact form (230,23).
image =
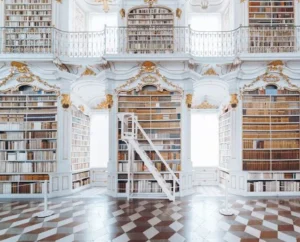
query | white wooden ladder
(130,129)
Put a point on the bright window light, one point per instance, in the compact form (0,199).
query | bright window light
(99,140)
(205,139)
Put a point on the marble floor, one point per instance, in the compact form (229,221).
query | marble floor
(93,216)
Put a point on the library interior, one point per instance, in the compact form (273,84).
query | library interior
(150,120)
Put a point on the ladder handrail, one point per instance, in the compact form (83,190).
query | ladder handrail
(156,151)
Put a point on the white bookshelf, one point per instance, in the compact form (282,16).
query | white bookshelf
(159,113)
(28,144)
(80,154)
(150,30)
(225,139)
(28,25)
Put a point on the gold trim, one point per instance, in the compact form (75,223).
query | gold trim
(88,72)
(149,79)
(59,1)
(21,67)
(150,2)
(178,13)
(205,105)
(234,101)
(276,65)
(148,67)
(189,100)
(210,72)
(107,103)
(65,100)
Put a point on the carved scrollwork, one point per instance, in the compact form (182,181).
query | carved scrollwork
(107,103)
(205,105)
(66,101)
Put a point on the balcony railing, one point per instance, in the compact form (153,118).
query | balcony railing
(114,41)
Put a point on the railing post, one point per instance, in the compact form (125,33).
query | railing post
(104,52)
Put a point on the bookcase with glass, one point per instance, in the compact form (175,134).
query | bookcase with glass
(28,26)
(150,30)
(159,113)
(28,139)
(271,23)
(271,135)
(80,154)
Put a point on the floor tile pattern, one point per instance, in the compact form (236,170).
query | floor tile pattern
(194,218)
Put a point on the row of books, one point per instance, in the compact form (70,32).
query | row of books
(256,30)
(28,155)
(80,166)
(28,126)
(148,147)
(23,188)
(27,144)
(270,112)
(266,127)
(148,104)
(273,186)
(80,148)
(159,117)
(28,135)
(172,124)
(143,187)
(28,111)
(268,144)
(140,167)
(270,119)
(150,93)
(28,12)
(78,142)
(11,167)
(151,17)
(26,98)
(167,155)
(268,165)
(15,118)
(81,175)
(150,11)
(81,183)
(275,176)
(150,111)
(28,49)
(27,104)
(30,177)
(151,22)
(271,135)
(81,138)
(267,154)
(172,98)
(27,1)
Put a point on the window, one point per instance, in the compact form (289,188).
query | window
(205,139)
(99,140)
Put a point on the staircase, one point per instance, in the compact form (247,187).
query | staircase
(130,128)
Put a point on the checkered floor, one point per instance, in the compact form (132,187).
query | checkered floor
(193,218)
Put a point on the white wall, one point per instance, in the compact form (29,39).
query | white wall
(205,139)
(99,140)
(97,22)
(205,21)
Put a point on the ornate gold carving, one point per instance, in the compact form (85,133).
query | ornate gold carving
(150,2)
(210,72)
(26,76)
(178,13)
(189,100)
(234,100)
(149,79)
(88,72)
(65,100)
(271,78)
(107,103)
(122,13)
(81,108)
(275,65)
(205,105)
(148,67)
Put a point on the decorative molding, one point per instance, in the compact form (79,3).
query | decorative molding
(25,77)
(178,13)
(59,1)
(65,100)
(88,72)
(122,13)
(150,2)
(146,68)
(234,100)
(189,100)
(205,105)
(275,65)
(107,103)
(81,108)
(271,78)
(210,72)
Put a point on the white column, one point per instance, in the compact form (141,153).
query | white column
(2,14)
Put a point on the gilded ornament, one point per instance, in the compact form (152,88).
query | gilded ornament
(88,72)
(65,100)
(189,100)
(205,105)
(178,13)
(148,66)
(59,1)
(150,2)
(81,108)
(21,67)
(149,79)
(210,72)
(275,65)
(122,13)
(107,103)
(234,100)
(271,78)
